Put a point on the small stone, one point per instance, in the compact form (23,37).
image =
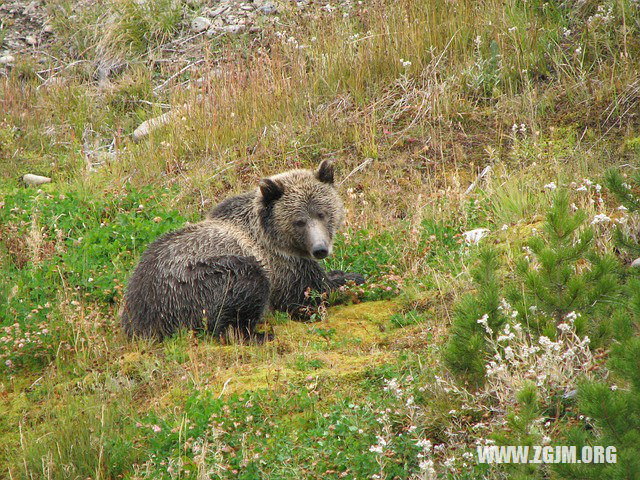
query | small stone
(31,40)
(200,24)
(234,29)
(7,59)
(48,29)
(31,179)
(636,263)
(148,126)
(219,10)
(268,8)
(474,236)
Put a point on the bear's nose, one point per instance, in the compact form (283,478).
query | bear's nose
(320,252)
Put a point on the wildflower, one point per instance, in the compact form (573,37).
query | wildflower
(156,428)
(484,321)
(614,388)
(571,316)
(600,218)
(563,327)
(405,63)
(622,208)
(424,443)
(375,449)
(426,465)
(504,305)
(550,186)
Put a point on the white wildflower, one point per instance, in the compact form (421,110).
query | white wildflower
(600,218)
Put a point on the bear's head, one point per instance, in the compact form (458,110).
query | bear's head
(300,211)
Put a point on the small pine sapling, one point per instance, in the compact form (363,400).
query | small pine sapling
(563,273)
(475,315)
(627,192)
(613,408)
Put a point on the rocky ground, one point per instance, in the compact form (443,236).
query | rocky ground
(29,30)
(25,29)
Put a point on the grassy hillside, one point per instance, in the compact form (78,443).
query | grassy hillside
(413,99)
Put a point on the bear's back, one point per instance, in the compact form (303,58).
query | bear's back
(176,252)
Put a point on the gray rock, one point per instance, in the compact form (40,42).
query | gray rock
(148,126)
(31,40)
(636,263)
(268,8)
(200,24)
(31,179)
(220,10)
(234,29)
(7,59)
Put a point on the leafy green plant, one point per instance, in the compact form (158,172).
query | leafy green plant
(64,252)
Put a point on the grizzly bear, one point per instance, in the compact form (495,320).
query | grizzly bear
(254,251)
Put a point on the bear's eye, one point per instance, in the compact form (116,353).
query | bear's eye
(300,223)
(321,216)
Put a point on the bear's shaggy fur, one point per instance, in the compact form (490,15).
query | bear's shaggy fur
(254,251)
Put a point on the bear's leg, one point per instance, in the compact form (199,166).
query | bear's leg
(338,278)
(235,293)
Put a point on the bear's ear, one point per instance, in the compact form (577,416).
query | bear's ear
(325,172)
(271,190)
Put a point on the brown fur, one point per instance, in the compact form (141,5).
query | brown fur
(254,250)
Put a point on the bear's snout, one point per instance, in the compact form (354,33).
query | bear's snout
(319,242)
(320,252)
